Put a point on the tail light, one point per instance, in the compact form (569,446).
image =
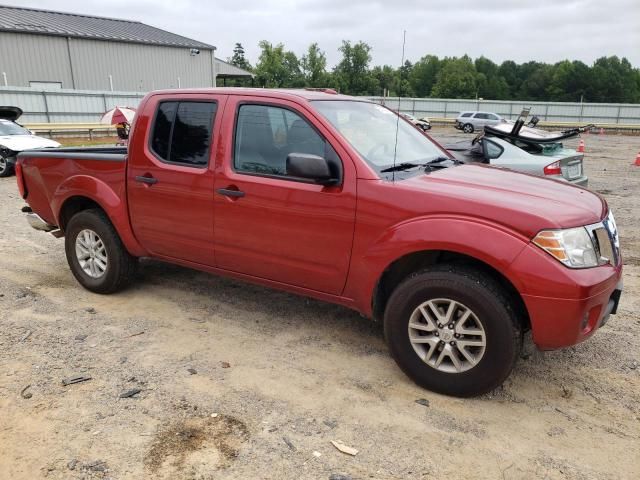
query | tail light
(20,179)
(553,169)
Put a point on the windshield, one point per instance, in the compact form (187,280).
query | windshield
(371,129)
(10,128)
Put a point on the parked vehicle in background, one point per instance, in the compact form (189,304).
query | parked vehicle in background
(332,197)
(422,123)
(469,122)
(549,161)
(14,138)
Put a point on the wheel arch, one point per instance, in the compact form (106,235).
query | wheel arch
(82,193)
(409,263)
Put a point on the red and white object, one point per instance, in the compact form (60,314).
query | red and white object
(581,147)
(637,162)
(118,115)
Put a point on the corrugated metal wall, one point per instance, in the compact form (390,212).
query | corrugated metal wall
(546,111)
(86,64)
(25,58)
(87,106)
(137,67)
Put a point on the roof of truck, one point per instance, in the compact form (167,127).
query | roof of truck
(307,94)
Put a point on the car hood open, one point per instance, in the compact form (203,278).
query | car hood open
(523,202)
(18,143)
(10,113)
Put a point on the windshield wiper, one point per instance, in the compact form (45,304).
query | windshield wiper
(443,159)
(409,165)
(402,166)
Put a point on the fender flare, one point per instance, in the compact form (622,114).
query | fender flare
(490,243)
(100,192)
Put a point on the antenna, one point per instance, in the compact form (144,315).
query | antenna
(395,146)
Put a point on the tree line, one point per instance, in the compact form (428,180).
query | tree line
(608,79)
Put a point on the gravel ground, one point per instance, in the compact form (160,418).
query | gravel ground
(239,382)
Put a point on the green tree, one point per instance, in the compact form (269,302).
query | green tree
(536,77)
(277,68)
(314,67)
(238,59)
(293,73)
(352,73)
(270,71)
(614,80)
(385,79)
(456,79)
(424,74)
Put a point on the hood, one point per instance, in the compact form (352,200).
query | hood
(18,143)
(10,113)
(522,202)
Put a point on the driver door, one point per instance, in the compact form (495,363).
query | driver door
(272,226)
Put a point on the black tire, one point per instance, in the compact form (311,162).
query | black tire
(120,267)
(467,128)
(488,302)
(6,169)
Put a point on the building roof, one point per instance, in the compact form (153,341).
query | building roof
(226,69)
(47,22)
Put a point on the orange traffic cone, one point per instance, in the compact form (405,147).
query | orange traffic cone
(581,147)
(637,163)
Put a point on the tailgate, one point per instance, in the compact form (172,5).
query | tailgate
(50,177)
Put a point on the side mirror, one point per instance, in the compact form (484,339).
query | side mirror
(311,167)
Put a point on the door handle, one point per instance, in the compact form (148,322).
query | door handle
(146,179)
(228,192)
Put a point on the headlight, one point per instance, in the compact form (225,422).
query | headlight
(573,246)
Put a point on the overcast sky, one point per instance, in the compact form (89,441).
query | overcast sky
(520,30)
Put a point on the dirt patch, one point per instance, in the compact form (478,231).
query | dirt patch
(214,442)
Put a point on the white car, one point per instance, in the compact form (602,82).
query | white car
(422,123)
(469,122)
(14,138)
(549,161)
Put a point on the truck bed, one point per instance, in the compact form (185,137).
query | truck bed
(53,175)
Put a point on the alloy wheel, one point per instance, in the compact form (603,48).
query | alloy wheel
(447,335)
(91,253)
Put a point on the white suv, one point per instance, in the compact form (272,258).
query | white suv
(470,121)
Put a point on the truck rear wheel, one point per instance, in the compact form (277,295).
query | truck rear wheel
(453,330)
(95,253)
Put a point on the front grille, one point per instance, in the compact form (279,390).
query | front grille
(614,239)
(604,236)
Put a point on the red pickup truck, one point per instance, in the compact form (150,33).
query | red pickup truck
(337,198)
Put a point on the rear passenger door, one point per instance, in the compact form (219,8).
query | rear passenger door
(273,226)
(480,120)
(492,119)
(170,177)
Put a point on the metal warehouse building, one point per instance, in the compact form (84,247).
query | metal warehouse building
(54,50)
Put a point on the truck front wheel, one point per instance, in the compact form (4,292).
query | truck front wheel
(453,330)
(95,253)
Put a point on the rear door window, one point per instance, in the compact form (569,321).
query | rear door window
(182,132)
(481,116)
